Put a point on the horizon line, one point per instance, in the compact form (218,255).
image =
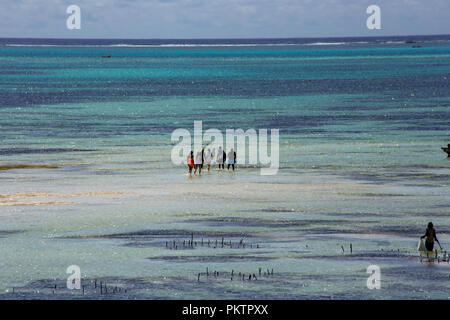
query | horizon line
(224,38)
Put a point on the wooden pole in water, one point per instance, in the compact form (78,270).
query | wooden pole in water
(351,249)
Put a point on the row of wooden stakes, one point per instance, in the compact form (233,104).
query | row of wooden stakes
(174,245)
(232,275)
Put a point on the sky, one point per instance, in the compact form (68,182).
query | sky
(181,19)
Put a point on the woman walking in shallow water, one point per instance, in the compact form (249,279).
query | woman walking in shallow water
(231,158)
(198,162)
(219,158)
(208,158)
(430,236)
(190,163)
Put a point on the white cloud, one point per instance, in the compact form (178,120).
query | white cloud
(220,18)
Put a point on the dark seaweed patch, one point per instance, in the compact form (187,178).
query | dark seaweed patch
(4,233)
(374,195)
(13,151)
(180,239)
(171,233)
(257,222)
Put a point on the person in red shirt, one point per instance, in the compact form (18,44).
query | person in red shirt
(190,163)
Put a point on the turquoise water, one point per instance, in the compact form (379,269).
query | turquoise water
(87,177)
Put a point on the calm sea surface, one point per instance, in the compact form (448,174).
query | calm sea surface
(86,176)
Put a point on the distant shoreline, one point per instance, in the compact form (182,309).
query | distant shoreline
(222,42)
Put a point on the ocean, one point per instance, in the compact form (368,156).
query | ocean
(86,176)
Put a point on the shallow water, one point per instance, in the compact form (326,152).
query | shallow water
(86,176)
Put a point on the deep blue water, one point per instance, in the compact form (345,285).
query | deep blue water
(389,72)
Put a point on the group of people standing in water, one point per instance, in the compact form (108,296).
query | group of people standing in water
(206,157)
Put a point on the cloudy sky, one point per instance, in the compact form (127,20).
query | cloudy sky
(221,18)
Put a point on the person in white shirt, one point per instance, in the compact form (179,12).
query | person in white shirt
(208,158)
(198,163)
